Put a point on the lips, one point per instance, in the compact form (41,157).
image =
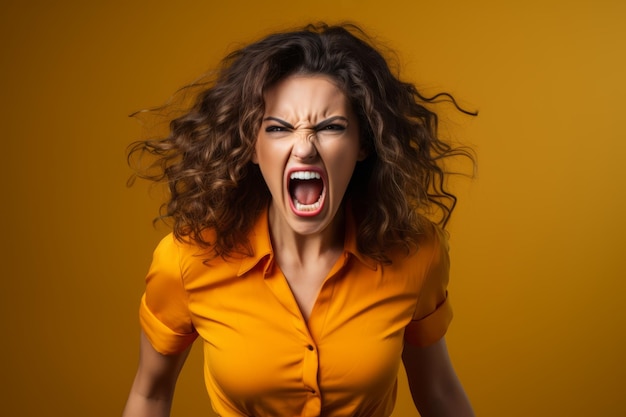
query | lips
(307,189)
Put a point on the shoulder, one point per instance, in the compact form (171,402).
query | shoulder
(184,258)
(173,250)
(191,261)
(431,246)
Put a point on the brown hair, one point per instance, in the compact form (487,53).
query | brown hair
(206,158)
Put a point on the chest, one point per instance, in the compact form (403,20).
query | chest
(305,283)
(258,342)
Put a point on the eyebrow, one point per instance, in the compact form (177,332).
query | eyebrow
(279,121)
(317,126)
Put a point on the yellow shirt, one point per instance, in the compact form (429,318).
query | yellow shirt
(263,359)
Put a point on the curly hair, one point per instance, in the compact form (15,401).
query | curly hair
(206,157)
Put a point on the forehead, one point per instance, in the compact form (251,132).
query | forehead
(306,93)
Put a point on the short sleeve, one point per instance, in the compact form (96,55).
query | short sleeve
(433,313)
(164,313)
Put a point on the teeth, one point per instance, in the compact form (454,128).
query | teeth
(306,207)
(304,175)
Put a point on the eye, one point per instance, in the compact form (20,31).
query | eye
(333,127)
(275,128)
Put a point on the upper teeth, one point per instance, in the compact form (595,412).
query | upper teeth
(304,175)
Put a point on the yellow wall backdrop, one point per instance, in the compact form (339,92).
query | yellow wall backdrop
(538,247)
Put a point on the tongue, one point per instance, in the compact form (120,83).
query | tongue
(307,192)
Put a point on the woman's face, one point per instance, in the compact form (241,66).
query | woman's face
(307,148)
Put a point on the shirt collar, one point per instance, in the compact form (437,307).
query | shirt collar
(262,251)
(259,238)
(350,242)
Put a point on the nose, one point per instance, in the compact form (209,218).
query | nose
(304,147)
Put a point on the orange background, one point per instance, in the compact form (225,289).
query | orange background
(538,279)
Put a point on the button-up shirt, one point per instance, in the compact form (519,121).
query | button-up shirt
(263,359)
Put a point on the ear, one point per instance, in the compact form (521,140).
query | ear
(254,159)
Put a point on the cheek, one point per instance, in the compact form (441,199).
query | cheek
(262,150)
(255,153)
(270,157)
(342,170)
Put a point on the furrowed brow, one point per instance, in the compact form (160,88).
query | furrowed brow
(279,121)
(327,122)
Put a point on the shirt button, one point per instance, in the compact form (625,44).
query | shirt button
(310,347)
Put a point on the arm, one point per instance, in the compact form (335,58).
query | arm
(153,388)
(434,385)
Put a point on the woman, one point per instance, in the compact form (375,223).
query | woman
(301,253)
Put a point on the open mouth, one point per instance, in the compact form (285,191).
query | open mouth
(306,189)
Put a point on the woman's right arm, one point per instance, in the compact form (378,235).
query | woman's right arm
(153,389)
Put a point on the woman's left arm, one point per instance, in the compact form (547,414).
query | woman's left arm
(434,385)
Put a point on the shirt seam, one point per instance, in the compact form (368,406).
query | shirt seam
(426,277)
(182,281)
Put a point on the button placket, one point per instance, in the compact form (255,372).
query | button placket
(310,368)
(313,404)
(314,329)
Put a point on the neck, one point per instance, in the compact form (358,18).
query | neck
(295,248)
